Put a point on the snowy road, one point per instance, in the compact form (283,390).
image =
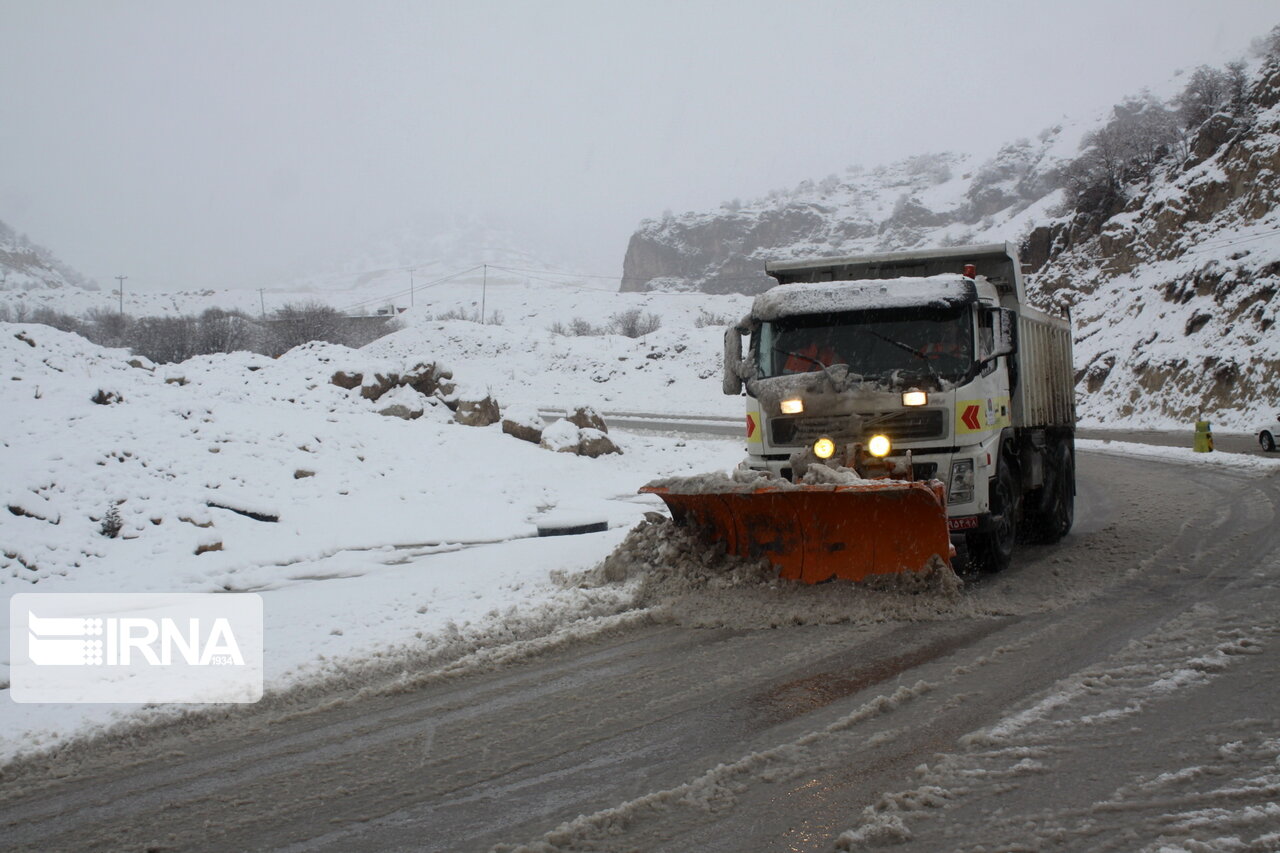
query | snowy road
(1116,692)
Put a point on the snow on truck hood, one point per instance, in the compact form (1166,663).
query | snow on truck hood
(787,300)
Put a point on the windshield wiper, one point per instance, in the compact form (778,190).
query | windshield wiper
(898,344)
(928,363)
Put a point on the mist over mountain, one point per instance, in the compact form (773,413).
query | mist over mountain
(25,266)
(429,253)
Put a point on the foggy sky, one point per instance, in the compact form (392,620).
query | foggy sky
(228,143)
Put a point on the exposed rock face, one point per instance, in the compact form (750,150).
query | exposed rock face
(1182,257)
(428,379)
(525,424)
(399,410)
(347,380)
(376,386)
(522,430)
(478,412)
(585,417)
(881,210)
(594,443)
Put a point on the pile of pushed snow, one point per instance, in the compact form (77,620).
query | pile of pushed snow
(683,577)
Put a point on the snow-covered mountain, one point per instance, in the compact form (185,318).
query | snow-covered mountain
(924,201)
(25,266)
(1170,271)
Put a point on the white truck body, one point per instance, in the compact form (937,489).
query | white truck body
(997,421)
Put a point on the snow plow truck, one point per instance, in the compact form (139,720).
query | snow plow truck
(902,409)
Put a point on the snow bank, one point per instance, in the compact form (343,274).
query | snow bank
(367,535)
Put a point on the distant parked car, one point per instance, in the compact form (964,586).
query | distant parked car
(1268,434)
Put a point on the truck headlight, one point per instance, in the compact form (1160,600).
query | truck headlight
(792,407)
(879,446)
(824,448)
(960,491)
(915,398)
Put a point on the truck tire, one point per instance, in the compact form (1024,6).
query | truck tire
(991,550)
(1058,502)
(1267,441)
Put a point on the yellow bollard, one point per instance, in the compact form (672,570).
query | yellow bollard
(1204,437)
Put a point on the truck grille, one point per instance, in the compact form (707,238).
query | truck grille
(899,426)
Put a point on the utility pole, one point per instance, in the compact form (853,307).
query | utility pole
(410,287)
(121,278)
(484,287)
(262,302)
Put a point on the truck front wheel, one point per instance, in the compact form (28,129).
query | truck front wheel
(991,549)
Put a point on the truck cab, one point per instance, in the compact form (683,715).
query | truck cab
(919,365)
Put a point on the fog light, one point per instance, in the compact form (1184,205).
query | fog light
(879,445)
(824,448)
(914,398)
(791,407)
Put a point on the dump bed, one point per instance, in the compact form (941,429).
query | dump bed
(1044,395)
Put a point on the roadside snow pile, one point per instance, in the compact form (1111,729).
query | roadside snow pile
(363,533)
(1182,455)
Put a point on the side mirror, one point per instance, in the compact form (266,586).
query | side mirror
(732,361)
(1005,333)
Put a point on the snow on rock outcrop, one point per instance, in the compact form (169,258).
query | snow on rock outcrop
(525,366)
(24,266)
(921,202)
(1175,300)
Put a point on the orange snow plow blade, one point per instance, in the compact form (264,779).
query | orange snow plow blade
(815,533)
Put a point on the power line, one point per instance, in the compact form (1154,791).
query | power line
(386,297)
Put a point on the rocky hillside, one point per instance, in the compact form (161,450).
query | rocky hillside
(1174,296)
(24,266)
(925,201)
(1157,229)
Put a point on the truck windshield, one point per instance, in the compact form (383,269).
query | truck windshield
(932,341)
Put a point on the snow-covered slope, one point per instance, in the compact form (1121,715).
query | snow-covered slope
(24,266)
(674,369)
(244,473)
(1175,302)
